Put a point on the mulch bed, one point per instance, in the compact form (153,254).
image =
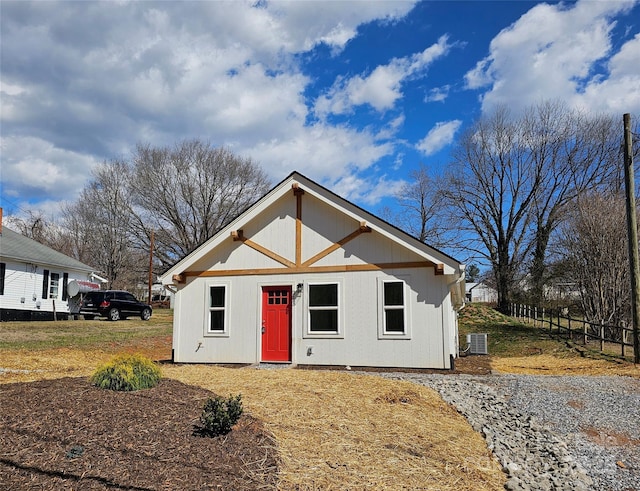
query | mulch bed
(66,434)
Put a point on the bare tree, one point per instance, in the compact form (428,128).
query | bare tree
(420,202)
(593,245)
(514,178)
(100,223)
(574,153)
(492,184)
(186,193)
(47,231)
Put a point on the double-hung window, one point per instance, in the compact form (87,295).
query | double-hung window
(217,315)
(324,313)
(393,309)
(54,285)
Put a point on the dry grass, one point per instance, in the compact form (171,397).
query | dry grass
(545,364)
(335,430)
(343,431)
(523,348)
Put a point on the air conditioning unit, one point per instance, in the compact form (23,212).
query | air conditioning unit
(477,344)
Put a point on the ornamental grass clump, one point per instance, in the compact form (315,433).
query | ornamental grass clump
(219,415)
(127,372)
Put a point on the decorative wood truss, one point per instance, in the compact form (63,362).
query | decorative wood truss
(307,266)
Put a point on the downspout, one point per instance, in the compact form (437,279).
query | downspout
(454,289)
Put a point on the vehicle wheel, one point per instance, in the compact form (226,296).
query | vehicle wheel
(88,317)
(145,315)
(114,315)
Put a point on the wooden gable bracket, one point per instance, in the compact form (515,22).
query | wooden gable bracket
(362,229)
(439,269)
(298,193)
(237,235)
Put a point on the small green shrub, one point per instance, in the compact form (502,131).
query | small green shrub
(219,415)
(126,372)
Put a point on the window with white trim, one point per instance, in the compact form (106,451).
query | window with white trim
(324,308)
(217,301)
(54,285)
(394,308)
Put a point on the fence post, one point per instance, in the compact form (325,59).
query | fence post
(601,335)
(535,315)
(584,332)
(624,335)
(559,326)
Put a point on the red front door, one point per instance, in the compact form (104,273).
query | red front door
(276,323)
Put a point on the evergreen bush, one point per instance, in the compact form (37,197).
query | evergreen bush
(127,372)
(219,415)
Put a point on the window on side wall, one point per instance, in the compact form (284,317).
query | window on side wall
(54,285)
(393,309)
(217,309)
(324,309)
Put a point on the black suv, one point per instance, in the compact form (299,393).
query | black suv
(113,304)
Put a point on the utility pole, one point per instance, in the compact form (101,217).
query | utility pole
(632,226)
(150,266)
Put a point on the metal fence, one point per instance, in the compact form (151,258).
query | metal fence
(560,322)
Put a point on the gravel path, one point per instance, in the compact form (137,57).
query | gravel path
(551,433)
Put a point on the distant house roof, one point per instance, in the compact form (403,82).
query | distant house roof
(23,249)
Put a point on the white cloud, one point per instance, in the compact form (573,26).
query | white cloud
(30,164)
(382,87)
(551,52)
(305,24)
(438,94)
(76,93)
(620,92)
(439,137)
(320,151)
(365,190)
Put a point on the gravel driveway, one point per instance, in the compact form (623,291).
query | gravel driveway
(551,432)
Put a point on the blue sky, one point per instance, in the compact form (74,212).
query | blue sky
(352,94)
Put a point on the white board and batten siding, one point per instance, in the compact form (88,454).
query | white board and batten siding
(296,229)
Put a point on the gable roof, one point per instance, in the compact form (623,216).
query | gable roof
(23,249)
(452,266)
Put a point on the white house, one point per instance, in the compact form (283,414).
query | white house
(480,292)
(308,278)
(37,282)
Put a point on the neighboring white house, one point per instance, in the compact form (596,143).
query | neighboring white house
(36,281)
(308,278)
(480,292)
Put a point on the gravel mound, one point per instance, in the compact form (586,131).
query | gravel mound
(551,433)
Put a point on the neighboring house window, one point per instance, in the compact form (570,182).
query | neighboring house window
(323,309)
(393,309)
(54,285)
(217,309)
(3,270)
